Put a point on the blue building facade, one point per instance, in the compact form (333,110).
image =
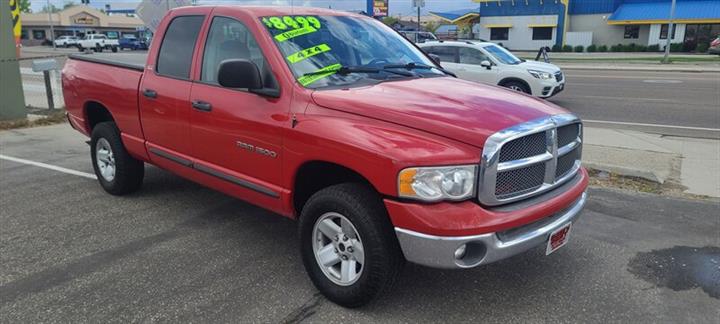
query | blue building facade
(529,24)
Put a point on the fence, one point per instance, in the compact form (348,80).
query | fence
(36,98)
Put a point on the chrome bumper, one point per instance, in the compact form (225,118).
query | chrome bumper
(439,251)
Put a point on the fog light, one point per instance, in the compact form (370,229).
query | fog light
(460,252)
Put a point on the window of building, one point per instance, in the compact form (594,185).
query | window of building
(228,39)
(499,33)
(23,34)
(177,47)
(446,53)
(664,31)
(471,56)
(38,34)
(632,32)
(542,33)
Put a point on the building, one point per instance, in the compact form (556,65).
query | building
(76,21)
(531,24)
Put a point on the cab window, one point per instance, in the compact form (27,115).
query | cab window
(176,50)
(231,39)
(471,56)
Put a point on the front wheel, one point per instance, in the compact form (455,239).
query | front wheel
(517,86)
(117,171)
(348,244)
(114,49)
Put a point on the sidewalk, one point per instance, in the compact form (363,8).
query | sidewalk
(691,162)
(655,67)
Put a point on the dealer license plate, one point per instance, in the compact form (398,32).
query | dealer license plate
(558,238)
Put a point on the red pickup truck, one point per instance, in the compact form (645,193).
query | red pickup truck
(337,121)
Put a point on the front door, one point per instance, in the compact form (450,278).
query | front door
(165,91)
(470,69)
(236,134)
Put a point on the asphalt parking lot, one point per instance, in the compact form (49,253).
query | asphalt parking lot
(176,251)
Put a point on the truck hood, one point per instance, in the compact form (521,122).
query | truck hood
(540,66)
(461,110)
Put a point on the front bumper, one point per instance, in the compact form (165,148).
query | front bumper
(439,251)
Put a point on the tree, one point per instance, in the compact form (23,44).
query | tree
(69,4)
(24,6)
(52,8)
(390,20)
(431,26)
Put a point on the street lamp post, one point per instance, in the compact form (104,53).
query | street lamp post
(666,58)
(52,29)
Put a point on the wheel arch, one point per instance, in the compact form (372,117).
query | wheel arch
(95,113)
(515,79)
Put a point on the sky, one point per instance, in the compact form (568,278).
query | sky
(397,7)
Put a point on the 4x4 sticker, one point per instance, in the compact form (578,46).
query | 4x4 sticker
(330,70)
(308,52)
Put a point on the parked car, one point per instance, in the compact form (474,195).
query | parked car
(418,37)
(98,43)
(381,155)
(132,42)
(492,64)
(66,41)
(714,46)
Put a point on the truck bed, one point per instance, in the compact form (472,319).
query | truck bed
(134,61)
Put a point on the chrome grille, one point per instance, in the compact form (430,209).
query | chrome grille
(530,158)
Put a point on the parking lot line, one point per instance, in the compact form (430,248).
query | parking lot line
(49,166)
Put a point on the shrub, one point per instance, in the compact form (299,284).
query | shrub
(701,48)
(592,48)
(653,48)
(616,48)
(579,49)
(556,48)
(602,48)
(630,48)
(642,48)
(676,47)
(567,48)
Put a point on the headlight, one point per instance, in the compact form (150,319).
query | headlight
(540,74)
(437,183)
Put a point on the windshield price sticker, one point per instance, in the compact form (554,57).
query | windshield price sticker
(294,33)
(330,70)
(295,22)
(308,52)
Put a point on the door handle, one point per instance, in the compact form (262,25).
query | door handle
(150,93)
(202,105)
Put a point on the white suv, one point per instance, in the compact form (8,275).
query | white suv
(490,63)
(66,41)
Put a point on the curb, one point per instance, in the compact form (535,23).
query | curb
(639,69)
(625,171)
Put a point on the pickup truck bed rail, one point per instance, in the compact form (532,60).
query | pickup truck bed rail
(128,61)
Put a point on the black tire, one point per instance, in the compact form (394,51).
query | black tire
(363,207)
(517,86)
(98,48)
(80,49)
(129,172)
(114,49)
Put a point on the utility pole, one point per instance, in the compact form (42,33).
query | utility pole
(11,91)
(666,58)
(52,29)
(419,4)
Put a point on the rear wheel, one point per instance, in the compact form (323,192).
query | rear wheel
(98,48)
(517,86)
(348,244)
(117,171)
(114,49)
(80,48)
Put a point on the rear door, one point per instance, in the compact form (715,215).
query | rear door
(448,56)
(165,90)
(470,69)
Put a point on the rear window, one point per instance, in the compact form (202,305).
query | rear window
(177,47)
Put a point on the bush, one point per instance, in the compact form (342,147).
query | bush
(616,48)
(676,47)
(602,48)
(579,49)
(630,48)
(592,48)
(653,48)
(556,48)
(701,48)
(567,48)
(642,48)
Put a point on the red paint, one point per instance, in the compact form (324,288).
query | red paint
(375,131)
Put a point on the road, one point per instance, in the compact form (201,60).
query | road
(672,103)
(176,251)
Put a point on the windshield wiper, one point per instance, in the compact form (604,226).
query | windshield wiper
(357,69)
(413,65)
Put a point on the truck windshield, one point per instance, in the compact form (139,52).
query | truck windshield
(324,51)
(502,54)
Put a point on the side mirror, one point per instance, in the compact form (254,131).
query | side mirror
(486,64)
(435,58)
(239,73)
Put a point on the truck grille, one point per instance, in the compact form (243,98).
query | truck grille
(530,158)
